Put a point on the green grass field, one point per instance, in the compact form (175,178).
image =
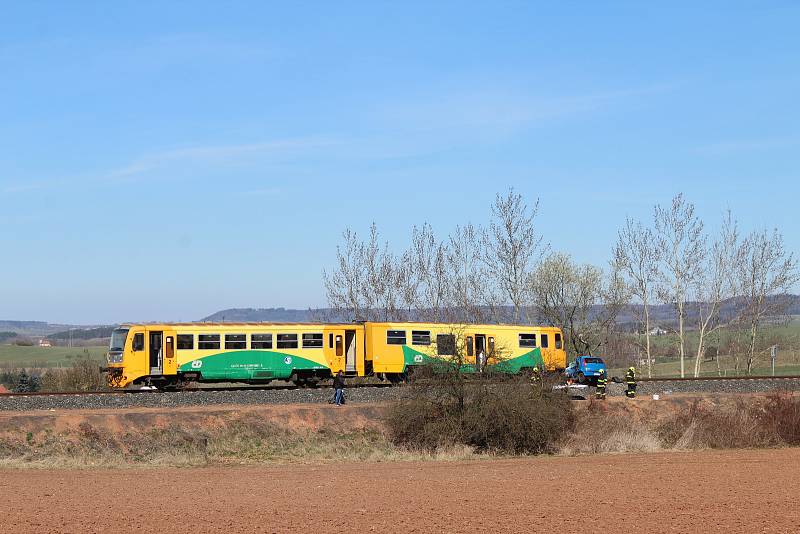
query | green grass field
(665,350)
(12,355)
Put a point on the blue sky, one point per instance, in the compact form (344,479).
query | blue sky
(163,160)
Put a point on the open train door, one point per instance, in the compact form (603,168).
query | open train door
(350,351)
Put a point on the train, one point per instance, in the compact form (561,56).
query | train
(167,355)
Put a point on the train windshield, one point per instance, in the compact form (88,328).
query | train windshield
(118,337)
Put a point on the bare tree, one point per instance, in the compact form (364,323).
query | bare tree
(427,285)
(368,281)
(681,244)
(344,285)
(579,299)
(713,286)
(767,272)
(472,294)
(636,255)
(511,247)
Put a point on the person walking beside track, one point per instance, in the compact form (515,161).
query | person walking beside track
(338,389)
(600,390)
(630,381)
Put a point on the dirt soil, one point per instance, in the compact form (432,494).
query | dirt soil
(731,491)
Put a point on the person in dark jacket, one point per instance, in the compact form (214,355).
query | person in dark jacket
(630,381)
(600,391)
(338,389)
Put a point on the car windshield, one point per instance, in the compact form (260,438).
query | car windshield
(593,360)
(118,337)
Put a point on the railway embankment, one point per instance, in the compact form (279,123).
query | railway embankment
(315,432)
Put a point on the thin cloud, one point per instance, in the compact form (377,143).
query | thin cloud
(504,109)
(22,187)
(263,192)
(215,155)
(750,145)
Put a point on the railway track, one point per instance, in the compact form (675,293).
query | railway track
(717,378)
(124,392)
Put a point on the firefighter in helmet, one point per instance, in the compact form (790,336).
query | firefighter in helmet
(536,376)
(600,390)
(630,382)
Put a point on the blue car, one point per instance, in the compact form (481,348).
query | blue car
(585,369)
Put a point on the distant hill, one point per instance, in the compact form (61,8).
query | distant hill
(99,332)
(662,314)
(35,328)
(268,315)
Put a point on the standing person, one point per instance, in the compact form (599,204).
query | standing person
(600,391)
(630,381)
(338,389)
(536,377)
(481,361)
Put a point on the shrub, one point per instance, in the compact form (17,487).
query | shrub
(747,425)
(84,375)
(442,408)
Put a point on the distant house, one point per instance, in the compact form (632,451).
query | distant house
(658,331)
(45,343)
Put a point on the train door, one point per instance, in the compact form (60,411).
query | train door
(336,358)
(350,351)
(481,354)
(155,352)
(170,360)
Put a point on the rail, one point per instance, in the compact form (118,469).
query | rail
(716,378)
(185,390)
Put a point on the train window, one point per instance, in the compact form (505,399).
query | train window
(138,342)
(558,341)
(287,341)
(527,340)
(420,337)
(339,346)
(491,346)
(185,341)
(261,341)
(207,341)
(545,342)
(169,346)
(395,337)
(445,344)
(235,341)
(470,349)
(312,341)
(330,341)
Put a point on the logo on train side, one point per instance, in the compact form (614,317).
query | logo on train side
(287,360)
(418,358)
(197,364)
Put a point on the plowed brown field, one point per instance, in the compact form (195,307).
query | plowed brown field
(732,491)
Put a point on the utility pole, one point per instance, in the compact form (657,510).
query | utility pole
(773,353)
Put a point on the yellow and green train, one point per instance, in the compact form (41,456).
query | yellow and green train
(171,354)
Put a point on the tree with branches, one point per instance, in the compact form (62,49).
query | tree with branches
(511,248)
(767,272)
(636,257)
(681,245)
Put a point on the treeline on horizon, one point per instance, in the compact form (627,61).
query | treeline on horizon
(506,271)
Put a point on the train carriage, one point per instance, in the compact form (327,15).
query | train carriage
(394,348)
(171,354)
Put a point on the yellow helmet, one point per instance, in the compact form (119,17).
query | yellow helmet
(536,369)
(631,368)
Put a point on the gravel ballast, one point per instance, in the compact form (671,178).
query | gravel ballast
(154,399)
